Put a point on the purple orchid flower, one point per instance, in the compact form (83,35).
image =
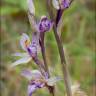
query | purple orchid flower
(65,4)
(30,48)
(37,80)
(44,23)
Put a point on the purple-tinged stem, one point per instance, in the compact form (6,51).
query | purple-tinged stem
(61,52)
(40,65)
(60,12)
(59,15)
(43,70)
(51,89)
(43,52)
(41,41)
(63,63)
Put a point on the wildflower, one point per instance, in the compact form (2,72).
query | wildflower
(65,4)
(44,23)
(61,4)
(37,80)
(29,48)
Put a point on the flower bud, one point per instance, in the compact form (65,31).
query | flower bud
(45,24)
(65,4)
(61,4)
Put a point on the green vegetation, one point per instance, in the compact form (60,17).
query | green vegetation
(78,36)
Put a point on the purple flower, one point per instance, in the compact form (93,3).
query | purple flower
(61,4)
(65,4)
(37,80)
(30,49)
(33,86)
(45,24)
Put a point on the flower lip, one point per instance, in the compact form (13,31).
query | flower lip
(34,85)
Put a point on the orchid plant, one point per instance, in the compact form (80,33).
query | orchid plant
(40,77)
(35,77)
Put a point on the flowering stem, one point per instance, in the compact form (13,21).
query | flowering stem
(59,14)
(63,63)
(61,52)
(45,61)
(40,65)
(43,52)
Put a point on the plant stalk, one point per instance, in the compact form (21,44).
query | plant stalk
(42,35)
(65,71)
(63,63)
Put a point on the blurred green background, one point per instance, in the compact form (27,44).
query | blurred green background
(78,36)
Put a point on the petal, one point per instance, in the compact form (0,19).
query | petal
(41,85)
(31,6)
(37,74)
(31,89)
(20,54)
(21,61)
(64,4)
(24,41)
(29,74)
(53,80)
(56,4)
